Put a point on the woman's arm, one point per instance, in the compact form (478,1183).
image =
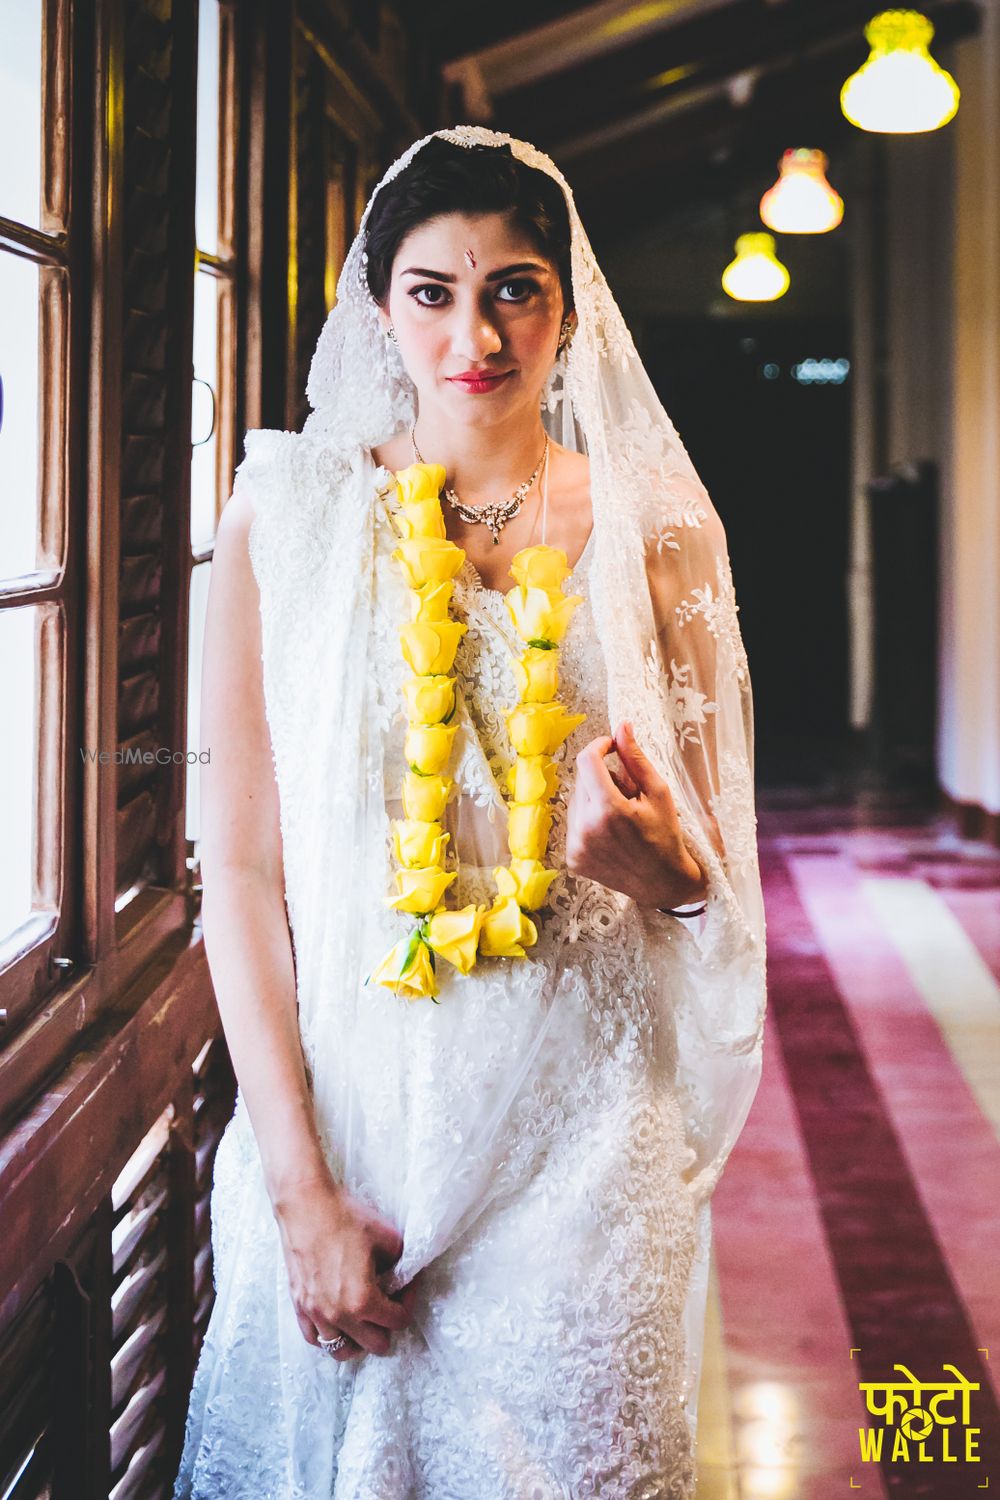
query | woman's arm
(331,1241)
(243,908)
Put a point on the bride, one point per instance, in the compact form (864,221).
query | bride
(493,975)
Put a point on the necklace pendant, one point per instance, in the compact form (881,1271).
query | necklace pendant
(495,513)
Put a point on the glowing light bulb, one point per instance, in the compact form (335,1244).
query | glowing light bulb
(802,201)
(900,89)
(756,275)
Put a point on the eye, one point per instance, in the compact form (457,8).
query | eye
(431,286)
(523,289)
(432,294)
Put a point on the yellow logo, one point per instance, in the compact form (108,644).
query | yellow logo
(921,1426)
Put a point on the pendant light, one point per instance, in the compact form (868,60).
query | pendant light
(802,201)
(756,275)
(900,89)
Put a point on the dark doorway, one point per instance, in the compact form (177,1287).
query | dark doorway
(763,407)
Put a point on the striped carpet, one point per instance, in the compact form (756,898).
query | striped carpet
(856,1225)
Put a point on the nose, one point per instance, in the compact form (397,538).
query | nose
(475,336)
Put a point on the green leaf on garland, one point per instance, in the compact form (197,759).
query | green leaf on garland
(411,951)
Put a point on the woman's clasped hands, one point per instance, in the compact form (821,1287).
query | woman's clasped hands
(622,827)
(335,1247)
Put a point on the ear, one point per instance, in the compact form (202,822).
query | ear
(565,340)
(384,319)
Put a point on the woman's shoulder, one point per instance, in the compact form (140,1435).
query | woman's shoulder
(261,475)
(574,462)
(569,477)
(293,475)
(574,511)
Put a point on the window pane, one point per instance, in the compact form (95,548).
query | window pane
(204,435)
(21,112)
(18,755)
(19,432)
(206,204)
(196,637)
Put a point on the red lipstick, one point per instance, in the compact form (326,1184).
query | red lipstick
(476,382)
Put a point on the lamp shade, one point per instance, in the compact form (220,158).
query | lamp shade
(802,201)
(900,89)
(756,275)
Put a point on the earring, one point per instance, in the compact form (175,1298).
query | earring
(565,335)
(390,333)
(552,390)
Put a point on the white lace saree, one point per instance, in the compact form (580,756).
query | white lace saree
(547,1138)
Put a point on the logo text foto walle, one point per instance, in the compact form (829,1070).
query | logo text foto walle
(935,1435)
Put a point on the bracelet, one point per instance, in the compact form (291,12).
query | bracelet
(673,911)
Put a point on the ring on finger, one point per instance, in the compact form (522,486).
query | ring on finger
(334,1345)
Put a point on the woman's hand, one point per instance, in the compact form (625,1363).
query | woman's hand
(334,1247)
(622,828)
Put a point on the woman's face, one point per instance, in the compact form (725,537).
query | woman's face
(470,296)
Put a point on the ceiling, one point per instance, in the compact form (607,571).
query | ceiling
(694,97)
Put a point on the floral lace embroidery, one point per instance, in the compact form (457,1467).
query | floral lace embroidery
(719,611)
(735,809)
(688,707)
(645,448)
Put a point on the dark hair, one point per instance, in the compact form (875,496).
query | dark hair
(444,178)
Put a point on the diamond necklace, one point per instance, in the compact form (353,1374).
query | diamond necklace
(495,513)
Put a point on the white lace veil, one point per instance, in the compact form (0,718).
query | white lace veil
(662,598)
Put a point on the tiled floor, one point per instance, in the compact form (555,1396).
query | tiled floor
(860,1209)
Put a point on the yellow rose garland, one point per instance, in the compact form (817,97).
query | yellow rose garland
(537,726)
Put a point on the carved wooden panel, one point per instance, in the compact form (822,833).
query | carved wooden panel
(96,1368)
(155,451)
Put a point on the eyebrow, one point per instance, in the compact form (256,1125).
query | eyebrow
(524,265)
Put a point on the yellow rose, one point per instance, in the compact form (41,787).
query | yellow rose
(506,931)
(429,699)
(540,567)
(417,844)
(528,825)
(428,746)
(533,778)
(526,880)
(455,935)
(540,614)
(424,797)
(420,518)
(428,559)
(413,979)
(419,482)
(536,673)
(430,649)
(420,891)
(431,600)
(539,728)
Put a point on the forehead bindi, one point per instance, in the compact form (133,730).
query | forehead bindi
(459,246)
